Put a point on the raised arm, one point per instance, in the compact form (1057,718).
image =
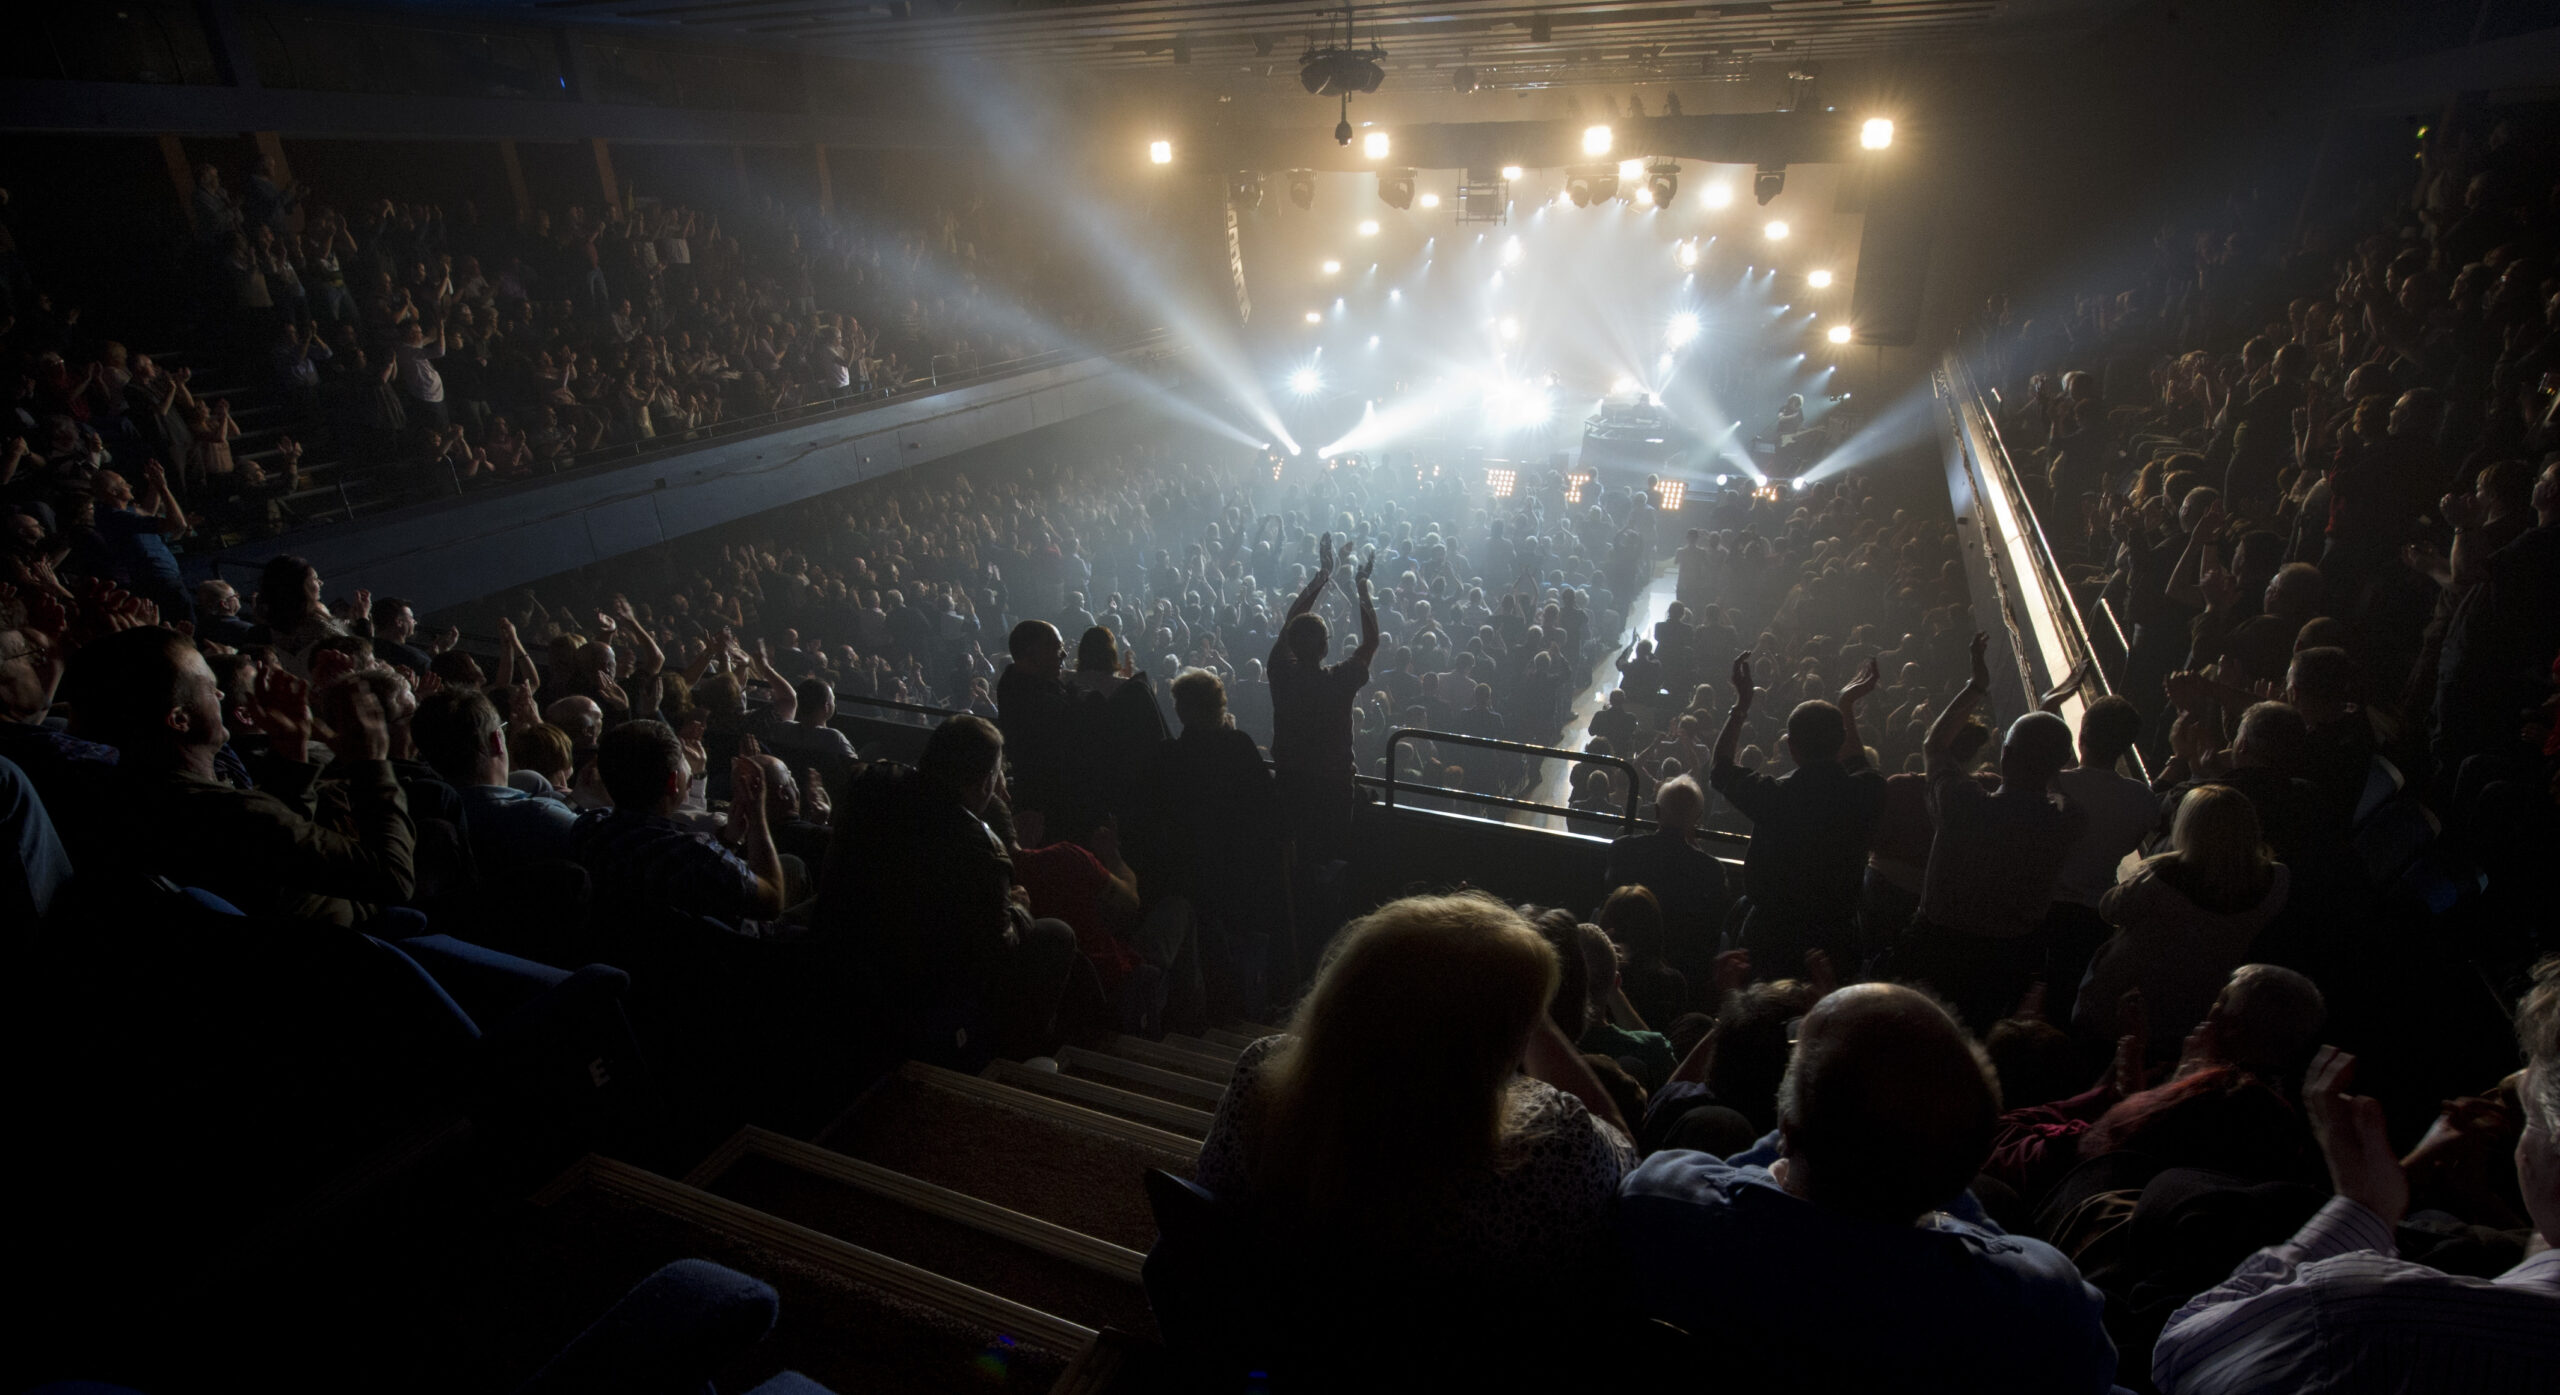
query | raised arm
(1368,612)
(1942,732)
(1853,752)
(1730,738)
(2184,587)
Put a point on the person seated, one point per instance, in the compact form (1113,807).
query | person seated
(2185,919)
(147,692)
(2335,1307)
(1424,1117)
(459,734)
(2227,1104)
(1632,919)
(918,888)
(1686,880)
(642,859)
(1617,1031)
(1855,1217)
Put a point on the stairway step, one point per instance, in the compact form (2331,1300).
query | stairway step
(851,1319)
(1167,1056)
(1109,1099)
(1179,1086)
(1203,1046)
(1044,1157)
(1219,1036)
(1031,1261)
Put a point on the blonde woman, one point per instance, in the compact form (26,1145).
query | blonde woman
(2185,919)
(1424,1107)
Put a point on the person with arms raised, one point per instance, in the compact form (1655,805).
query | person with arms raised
(1311,753)
(1809,828)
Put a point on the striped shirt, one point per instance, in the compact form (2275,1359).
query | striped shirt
(2335,1309)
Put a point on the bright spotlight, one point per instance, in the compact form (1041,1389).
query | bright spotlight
(1331,266)
(1305,382)
(1837,334)
(1509,327)
(1630,170)
(1818,279)
(1374,145)
(1723,480)
(1315,317)
(1429,201)
(1160,152)
(1684,327)
(1685,253)
(1624,386)
(1595,141)
(1803,484)
(1877,133)
(1776,231)
(1644,195)
(1368,227)
(1719,195)
(1511,251)
(1511,173)
(1373,343)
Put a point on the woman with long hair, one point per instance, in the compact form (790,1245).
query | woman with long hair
(288,604)
(1424,1106)
(2185,919)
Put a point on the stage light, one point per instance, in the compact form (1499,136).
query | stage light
(1723,480)
(1776,230)
(1395,295)
(1331,266)
(1373,343)
(1767,182)
(1374,145)
(1315,317)
(1342,131)
(1719,195)
(1630,170)
(1160,152)
(1430,201)
(1501,483)
(1803,484)
(1624,386)
(1876,134)
(1818,279)
(1511,173)
(1510,328)
(1244,190)
(1302,188)
(1644,195)
(1684,327)
(1368,227)
(1306,382)
(1664,181)
(1395,188)
(1670,494)
(1685,253)
(1578,189)
(1512,251)
(1595,140)
(1837,334)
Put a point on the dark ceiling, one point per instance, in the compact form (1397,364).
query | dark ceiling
(1505,44)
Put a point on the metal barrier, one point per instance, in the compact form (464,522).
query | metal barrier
(1518,748)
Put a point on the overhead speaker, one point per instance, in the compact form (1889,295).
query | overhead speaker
(1893,256)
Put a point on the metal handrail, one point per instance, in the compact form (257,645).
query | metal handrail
(1994,468)
(1518,748)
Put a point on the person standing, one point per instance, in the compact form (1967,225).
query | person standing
(1311,702)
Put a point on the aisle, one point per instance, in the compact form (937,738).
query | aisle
(1556,784)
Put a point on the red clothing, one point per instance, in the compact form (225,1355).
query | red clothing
(1065,882)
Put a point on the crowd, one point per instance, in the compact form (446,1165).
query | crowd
(2009,1058)
(423,353)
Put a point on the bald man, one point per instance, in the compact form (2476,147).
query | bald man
(1845,1250)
